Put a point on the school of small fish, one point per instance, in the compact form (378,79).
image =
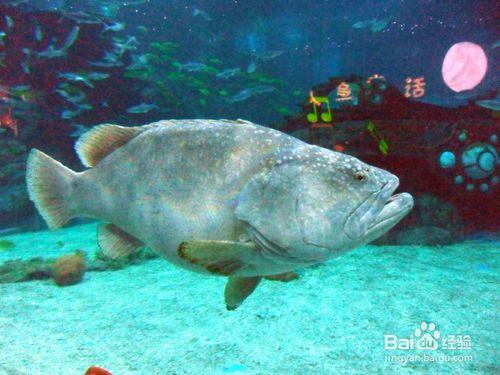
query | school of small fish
(73,86)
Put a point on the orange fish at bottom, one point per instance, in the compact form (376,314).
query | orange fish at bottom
(95,370)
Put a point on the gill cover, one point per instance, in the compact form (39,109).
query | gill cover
(279,206)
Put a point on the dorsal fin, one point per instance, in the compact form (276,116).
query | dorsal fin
(102,140)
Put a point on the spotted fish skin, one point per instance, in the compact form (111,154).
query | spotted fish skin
(180,180)
(217,196)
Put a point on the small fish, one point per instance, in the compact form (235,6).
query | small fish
(228,73)
(239,97)
(109,60)
(123,45)
(6,121)
(252,67)
(374,25)
(25,63)
(25,67)
(269,55)
(95,76)
(51,52)
(261,89)
(72,37)
(142,108)
(9,22)
(362,24)
(200,13)
(38,33)
(114,27)
(84,107)
(378,26)
(20,88)
(2,37)
(71,98)
(138,62)
(493,104)
(192,66)
(15,3)
(68,115)
(495,45)
(76,78)
(81,17)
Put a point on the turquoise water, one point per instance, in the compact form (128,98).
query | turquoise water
(398,95)
(153,318)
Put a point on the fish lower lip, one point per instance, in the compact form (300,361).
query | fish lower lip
(396,205)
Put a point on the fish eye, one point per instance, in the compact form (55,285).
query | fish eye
(360,176)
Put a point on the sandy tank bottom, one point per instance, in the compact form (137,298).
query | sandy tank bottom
(154,318)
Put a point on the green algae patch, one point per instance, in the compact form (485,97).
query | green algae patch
(7,245)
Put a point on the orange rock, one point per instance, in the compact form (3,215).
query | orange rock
(68,269)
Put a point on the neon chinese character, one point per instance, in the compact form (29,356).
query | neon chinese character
(343,91)
(415,87)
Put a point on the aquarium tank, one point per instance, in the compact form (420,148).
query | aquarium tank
(249,187)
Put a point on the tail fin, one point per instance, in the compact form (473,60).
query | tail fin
(49,187)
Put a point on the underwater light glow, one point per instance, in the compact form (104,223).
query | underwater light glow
(464,66)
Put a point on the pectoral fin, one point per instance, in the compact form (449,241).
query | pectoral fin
(238,289)
(218,257)
(116,243)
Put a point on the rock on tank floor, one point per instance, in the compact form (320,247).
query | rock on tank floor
(157,319)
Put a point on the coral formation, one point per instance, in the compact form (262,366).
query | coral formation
(18,270)
(68,269)
(38,268)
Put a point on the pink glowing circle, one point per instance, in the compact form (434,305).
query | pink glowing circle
(464,66)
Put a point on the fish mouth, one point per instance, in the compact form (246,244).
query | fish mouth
(379,212)
(393,211)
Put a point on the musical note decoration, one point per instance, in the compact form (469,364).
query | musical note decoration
(318,102)
(382,144)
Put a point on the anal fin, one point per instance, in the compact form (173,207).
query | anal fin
(238,289)
(116,243)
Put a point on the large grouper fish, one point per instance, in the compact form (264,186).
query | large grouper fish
(219,197)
